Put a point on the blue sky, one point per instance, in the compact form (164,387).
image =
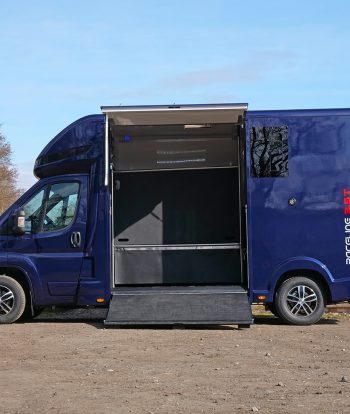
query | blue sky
(62,60)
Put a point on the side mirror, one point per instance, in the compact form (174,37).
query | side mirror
(19,225)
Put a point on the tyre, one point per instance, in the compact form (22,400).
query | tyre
(300,301)
(12,300)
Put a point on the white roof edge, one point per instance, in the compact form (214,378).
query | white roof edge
(174,107)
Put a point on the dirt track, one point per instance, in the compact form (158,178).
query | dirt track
(81,367)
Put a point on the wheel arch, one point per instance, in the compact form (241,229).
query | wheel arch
(22,278)
(310,273)
(304,266)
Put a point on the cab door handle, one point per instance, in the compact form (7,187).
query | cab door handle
(75,239)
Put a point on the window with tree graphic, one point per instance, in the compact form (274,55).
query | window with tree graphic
(269,151)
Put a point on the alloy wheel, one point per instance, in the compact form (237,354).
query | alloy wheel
(7,300)
(302,300)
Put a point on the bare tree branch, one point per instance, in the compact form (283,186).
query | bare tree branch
(9,192)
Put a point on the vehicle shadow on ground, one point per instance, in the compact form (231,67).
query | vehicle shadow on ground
(95,318)
(273,320)
(99,324)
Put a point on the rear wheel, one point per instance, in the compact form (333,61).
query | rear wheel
(300,301)
(12,300)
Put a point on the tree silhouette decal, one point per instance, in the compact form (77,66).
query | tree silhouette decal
(269,151)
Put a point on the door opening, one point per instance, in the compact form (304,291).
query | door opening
(177,212)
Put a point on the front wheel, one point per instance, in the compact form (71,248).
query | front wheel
(300,301)
(12,300)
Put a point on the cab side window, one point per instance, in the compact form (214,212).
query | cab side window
(52,208)
(60,206)
(34,211)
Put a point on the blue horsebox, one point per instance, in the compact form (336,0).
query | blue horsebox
(184,214)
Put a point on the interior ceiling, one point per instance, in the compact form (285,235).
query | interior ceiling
(211,131)
(175,115)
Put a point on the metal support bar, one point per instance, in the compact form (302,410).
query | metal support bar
(141,247)
(106,153)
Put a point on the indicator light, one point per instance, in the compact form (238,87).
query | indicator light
(100,300)
(261,297)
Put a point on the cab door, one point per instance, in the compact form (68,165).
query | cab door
(56,214)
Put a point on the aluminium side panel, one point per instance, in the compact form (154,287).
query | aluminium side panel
(298,196)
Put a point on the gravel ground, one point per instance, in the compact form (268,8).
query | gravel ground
(70,363)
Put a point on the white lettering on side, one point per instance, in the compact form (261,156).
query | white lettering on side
(347,239)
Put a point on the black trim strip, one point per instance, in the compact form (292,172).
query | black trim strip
(61,155)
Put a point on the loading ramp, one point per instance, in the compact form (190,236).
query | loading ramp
(163,305)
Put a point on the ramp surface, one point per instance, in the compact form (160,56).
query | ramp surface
(179,305)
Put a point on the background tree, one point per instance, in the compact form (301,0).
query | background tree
(9,191)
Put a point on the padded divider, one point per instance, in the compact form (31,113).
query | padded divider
(177,267)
